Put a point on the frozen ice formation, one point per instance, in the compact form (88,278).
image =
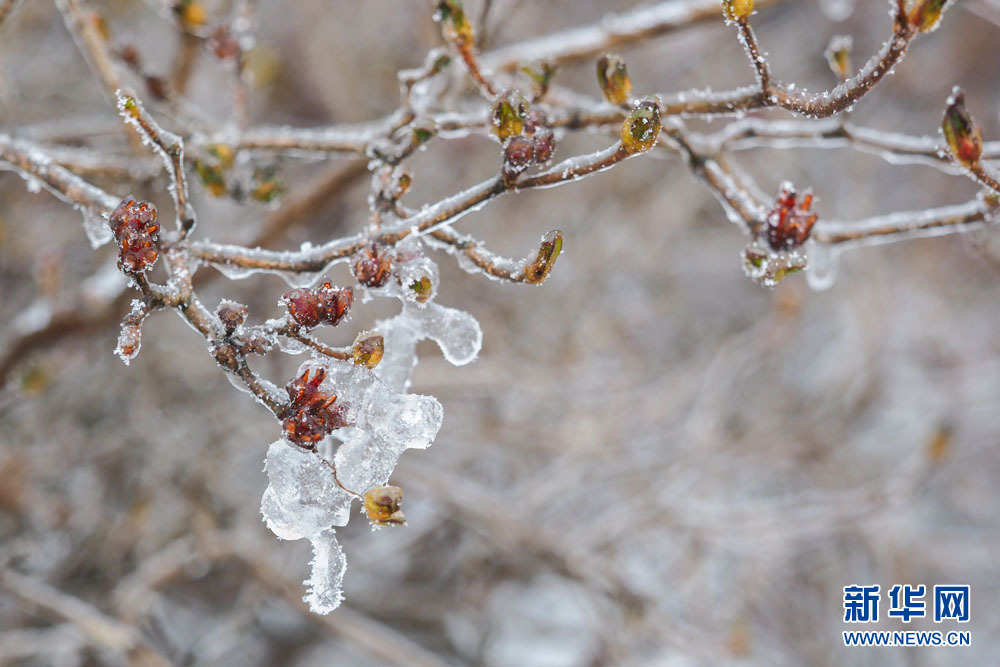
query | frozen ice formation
(309,493)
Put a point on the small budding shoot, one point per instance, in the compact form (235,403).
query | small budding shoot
(642,127)
(925,15)
(539,268)
(373,266)
(838,56)
(212,167)
(136,231)
(382,506)
(232,315)
(541,78)
(509,113)
(737,10)
(325,304)
(368,349)
(312,414)
(965,142)
(422,289)
(613,78)
(190,13)
(455,25)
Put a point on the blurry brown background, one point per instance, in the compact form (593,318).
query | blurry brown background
(653,461)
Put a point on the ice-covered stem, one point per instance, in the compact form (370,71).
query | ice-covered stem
(425,222)
(906,225)
(170,147)
(90,34)
(611,32)
(738,11)
(457,30)
(31,162)
(894,147)
(532,270)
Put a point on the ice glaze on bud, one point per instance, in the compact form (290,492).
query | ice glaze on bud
(925,15)
(518,155)
(368,349)
(737,10)
(838,55)
(135,230)
(382,506)
(789,221)
(232,315)
(324,304)
(267,184)
(642,127)
(312,413)
(373,266)
(422,289)
(454,23)
(509,113)
(965,142)
(613,78)
(539,268)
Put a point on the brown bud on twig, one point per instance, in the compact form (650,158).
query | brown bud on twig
(135,230)
(231,315)
(373,266)
(790,221)
(382,506)
(312,413)
(324,304)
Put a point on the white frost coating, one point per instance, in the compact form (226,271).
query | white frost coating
(303,498)
(325,586)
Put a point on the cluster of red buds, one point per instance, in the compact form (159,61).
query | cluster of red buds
(312,414)
(136,231)
(373,266)
(325,304)
(790,221)
(534,145)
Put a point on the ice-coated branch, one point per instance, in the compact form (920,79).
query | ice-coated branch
(611,32)
(170,148)
(906,225)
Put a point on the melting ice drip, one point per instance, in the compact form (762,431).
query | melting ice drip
(303,499)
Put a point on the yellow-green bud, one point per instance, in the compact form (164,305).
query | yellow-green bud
(539,268)
(613,78)
(737,10)
(509,112)
(642,127)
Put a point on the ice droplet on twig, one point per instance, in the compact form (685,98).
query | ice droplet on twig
(821,271)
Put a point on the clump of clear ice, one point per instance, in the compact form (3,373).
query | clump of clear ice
(305,497)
